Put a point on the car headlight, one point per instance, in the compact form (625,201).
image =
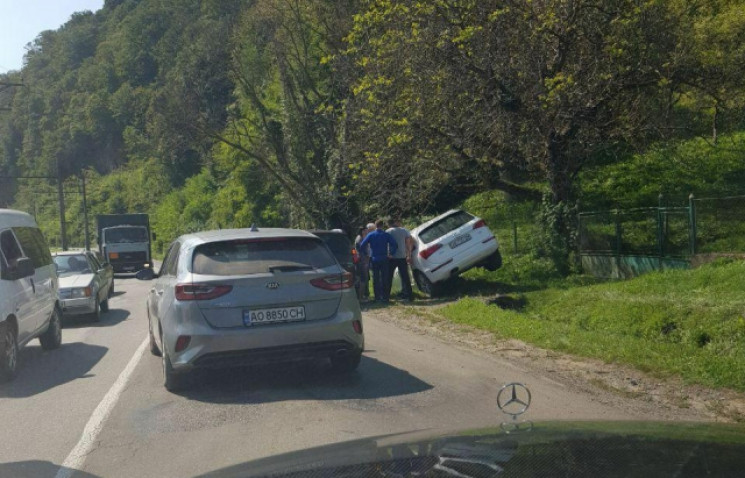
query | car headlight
(80,292)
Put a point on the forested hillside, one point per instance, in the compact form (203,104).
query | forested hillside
(328,113)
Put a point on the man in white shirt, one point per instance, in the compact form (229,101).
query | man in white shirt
(401,258)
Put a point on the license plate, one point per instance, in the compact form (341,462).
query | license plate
(269,316)
(459,240)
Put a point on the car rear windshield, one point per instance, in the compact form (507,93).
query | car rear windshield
(444,225)
(239,257)
(72,264)
(340,246)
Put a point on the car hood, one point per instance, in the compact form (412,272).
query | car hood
(75,280)
(541,449)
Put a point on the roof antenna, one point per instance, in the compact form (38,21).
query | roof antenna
(254,228)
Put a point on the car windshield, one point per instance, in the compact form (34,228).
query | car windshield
(444,225)
(241,257)
(550,193)
(124,235)
(72,264)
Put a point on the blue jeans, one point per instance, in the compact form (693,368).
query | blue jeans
(380,278)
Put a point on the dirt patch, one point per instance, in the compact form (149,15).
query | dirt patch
(663,398)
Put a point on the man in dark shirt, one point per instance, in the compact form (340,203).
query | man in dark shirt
(382,246)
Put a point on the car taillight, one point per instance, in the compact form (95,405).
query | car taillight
(479,223)
(355,257)
(182,342)
(430,250)
(335,282)
(201,291)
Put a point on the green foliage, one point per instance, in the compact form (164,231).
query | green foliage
(674,170)
(329,113)
(688,323)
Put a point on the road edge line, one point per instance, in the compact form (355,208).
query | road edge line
(77,456)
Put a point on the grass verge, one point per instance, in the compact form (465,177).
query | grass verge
(689,323)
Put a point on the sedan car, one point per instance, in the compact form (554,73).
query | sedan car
(449,245)
(248,296)
(85,284)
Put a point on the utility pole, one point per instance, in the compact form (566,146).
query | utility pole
(85,215)
(61,200)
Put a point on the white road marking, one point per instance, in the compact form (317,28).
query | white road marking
(76,458)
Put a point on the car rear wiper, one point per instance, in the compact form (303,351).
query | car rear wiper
(290,268)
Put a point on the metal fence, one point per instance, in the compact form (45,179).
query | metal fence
(626,242)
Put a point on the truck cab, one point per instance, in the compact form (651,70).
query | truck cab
(124,241)
(126,247)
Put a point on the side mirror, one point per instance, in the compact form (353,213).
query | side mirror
(145,274)
(24,268)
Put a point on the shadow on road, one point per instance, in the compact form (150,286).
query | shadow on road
(302,381)
(117,293)
(39,370)
(108,319)
(36,469)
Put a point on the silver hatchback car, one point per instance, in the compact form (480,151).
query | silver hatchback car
(243,297)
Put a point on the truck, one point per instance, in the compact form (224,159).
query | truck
(124,241)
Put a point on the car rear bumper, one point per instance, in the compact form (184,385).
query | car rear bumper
(81,306)
(461,263)
(283,353)
(241,346)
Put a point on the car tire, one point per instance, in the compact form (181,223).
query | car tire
(111,290)
(96,316)
(153,346)
(8,353)
(105,305)
(172,381)
(425,285)
(52,337)
(494,261)
(347,363)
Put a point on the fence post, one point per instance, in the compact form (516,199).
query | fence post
(619,240)
(692,223)
(580,238)
(660,232)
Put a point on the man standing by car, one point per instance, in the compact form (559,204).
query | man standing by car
(401,258)
(382,247)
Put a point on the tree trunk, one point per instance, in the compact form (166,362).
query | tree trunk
(558,211)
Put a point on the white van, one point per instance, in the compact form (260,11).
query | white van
(28,290)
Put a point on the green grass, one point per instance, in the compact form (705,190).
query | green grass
(688,323)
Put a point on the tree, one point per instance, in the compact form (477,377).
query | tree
(290,108)
(524,89)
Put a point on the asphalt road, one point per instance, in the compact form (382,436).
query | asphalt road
(405,382)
